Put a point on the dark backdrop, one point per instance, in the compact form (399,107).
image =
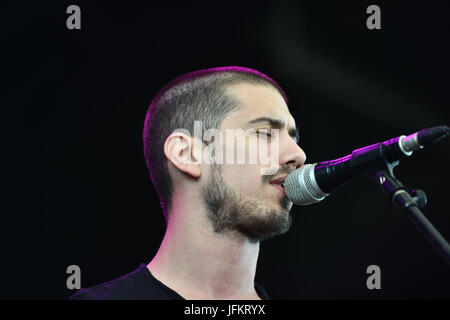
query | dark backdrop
(77,190)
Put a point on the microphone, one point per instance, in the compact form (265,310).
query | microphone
(311,183)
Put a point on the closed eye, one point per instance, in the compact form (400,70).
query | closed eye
(264,133)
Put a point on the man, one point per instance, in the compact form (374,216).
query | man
(216,212)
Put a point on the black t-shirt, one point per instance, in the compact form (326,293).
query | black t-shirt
(139,284)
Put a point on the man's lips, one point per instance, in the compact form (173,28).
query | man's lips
(278,180)
(279,187)
(277,183)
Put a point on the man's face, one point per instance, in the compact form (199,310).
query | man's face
(244,198)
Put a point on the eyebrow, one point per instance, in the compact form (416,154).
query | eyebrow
(277,123)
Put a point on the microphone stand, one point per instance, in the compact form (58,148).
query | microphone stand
(380,172)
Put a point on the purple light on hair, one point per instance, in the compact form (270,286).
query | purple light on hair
(204,72)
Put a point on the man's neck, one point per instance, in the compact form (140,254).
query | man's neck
(198,263)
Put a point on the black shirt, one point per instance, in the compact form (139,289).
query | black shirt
(139,284)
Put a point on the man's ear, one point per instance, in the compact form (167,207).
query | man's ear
(181,150)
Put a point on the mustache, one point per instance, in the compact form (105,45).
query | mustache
(287,169)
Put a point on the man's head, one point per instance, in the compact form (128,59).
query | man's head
(239,197)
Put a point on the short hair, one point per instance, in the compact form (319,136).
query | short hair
(195,96)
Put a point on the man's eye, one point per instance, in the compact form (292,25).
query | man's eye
(263,133)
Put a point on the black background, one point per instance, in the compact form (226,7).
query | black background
(76,187)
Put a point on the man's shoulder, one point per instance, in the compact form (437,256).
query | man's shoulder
(135,285)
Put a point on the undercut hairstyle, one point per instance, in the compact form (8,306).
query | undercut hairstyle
(195,96)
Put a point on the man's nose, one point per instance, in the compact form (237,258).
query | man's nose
(292,155)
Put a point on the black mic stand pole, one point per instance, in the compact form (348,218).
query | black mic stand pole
(380,171)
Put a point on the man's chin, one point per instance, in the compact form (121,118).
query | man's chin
(276,222)
(256,218)
(284,205)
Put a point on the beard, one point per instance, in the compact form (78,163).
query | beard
(228,212)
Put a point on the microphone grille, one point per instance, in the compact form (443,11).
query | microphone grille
(301,186)
(307,176)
